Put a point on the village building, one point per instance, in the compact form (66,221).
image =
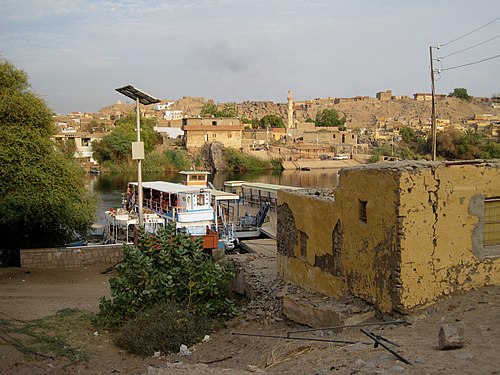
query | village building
(397,235)
(83,142)
(384,95)
(201,131)
(255,138)
(427,96)
(342,142)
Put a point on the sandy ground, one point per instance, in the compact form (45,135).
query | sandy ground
(28,295)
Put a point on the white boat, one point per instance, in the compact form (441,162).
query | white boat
(188,205)
(210,213)
(119,226)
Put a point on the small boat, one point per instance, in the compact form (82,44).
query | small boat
(120,225)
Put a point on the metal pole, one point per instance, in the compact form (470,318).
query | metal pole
(139,170)
(433,114)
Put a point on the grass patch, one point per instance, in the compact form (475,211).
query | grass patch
(56,336)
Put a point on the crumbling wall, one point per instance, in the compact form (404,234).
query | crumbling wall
(314,215)
(398,235)
(442,209)
(370,253)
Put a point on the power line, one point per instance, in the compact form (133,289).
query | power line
(471,47)
(471,63)
(473,31)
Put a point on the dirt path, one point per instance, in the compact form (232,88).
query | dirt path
(37,294)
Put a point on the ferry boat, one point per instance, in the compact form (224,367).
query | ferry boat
(203,211)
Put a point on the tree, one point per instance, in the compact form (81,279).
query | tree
(330,117)
(228,110)
(209,110)
(272,121)
(44,201)
(408,134)
(212,110)
(460,93)
(117,146)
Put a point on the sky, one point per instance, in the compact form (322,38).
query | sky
(77,52)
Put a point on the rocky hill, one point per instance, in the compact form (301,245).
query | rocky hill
(361,112)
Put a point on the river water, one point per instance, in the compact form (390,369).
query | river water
(109,187)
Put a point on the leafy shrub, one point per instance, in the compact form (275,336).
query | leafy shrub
(168,266)
(177,159)
(240,162)
(277,164)
(165,327)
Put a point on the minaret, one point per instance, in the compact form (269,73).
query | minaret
(289,125)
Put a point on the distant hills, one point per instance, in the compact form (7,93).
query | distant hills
(361,112)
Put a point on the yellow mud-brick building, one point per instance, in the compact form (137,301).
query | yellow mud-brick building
(201,131)
(398,235)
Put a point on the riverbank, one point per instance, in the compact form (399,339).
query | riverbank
(307,164)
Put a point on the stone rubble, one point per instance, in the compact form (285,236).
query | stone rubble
(257,280)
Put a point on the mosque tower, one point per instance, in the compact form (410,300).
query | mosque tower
(289,125)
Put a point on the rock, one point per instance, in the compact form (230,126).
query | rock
(397,369)
(451,336)
(305,313)
(184,351)
(463,355)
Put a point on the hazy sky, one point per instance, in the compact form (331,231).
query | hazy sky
(77,52)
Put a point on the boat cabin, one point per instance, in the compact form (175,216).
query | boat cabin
(195,178)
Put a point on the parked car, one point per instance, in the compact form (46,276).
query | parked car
(341,157)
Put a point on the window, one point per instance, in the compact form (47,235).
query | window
(214,122)
(492,221)
(229,135)
(362,211)
(201,200)
(214,135)
(303,237)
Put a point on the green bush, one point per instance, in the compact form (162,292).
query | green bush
(165,327)
(168,266)
(177,159)
(240,162)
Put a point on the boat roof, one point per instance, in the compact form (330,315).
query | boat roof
(168,187)
(269,187)
(234,183)
(220,195)
(194,172)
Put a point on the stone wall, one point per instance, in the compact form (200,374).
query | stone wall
(71,257)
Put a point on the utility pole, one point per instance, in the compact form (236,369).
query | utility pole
(433,114)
